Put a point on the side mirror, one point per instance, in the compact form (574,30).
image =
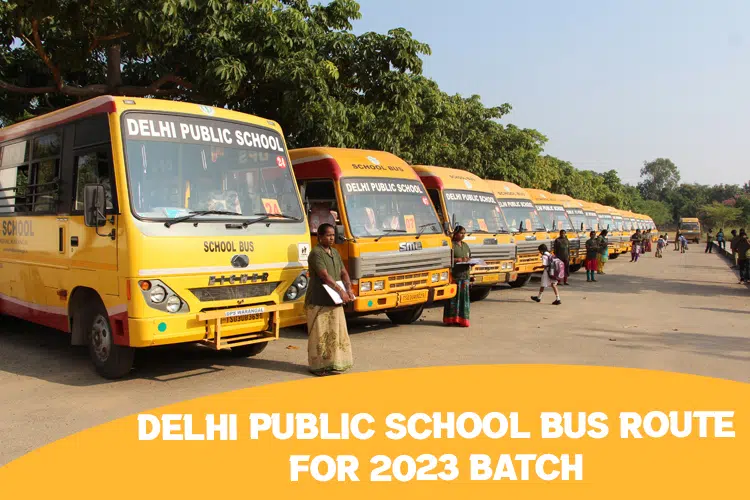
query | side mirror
(520,227)
(581,226)
(94,205)
(340,235)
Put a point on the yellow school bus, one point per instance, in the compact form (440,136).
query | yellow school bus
(388,233)
(592,219)
(606,221)
(628,227)
(575,210)
(555,218)
(134,222)
(462,198)
(623,238)
(526,227)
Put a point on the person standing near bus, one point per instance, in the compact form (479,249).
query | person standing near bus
(456,310)
(733,247)
(329,350)
(603,251)
(635,250)
(720,239)
(677,240)
(562,251)
(592,254)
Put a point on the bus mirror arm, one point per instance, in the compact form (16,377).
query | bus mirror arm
(94,199)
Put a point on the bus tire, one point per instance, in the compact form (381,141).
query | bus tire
(575,268)
(479,293)
(520,281)
(405,316)
(110,360)
(249,350)
(614,255)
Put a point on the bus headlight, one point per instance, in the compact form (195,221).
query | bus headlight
(157,294)
(174,304)
(444,276)
(292,293)
(435,278)
(379,285)
(365,286)
(302,282)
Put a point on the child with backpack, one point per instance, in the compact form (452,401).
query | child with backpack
(554,270)
(661,243)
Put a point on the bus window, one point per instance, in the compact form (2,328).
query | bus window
(435,197)
(320,198)
(92,168)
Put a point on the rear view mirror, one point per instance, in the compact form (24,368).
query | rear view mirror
(340,234)
(94,205)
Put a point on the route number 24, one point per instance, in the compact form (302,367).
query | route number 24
(405,468)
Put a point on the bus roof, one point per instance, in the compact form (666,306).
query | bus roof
(451,178)
(335,163)
(570,202)
(505,189)
(540,196)
(689,219)
(111,104)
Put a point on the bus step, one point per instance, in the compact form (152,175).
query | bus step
(238,340)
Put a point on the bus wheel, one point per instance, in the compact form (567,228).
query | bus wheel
(111,361)
(405,316)
(477,294)
(575,268)
(614,255)
(249,350)
(520,281)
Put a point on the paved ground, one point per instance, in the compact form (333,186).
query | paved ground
(683,313)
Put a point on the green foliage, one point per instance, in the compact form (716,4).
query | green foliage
(717,215)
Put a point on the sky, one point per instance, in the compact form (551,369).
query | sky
(611,83)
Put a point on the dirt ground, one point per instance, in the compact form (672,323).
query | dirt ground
(683,313)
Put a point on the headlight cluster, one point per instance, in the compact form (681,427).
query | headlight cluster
(298,288)
(160,296)
(507,265)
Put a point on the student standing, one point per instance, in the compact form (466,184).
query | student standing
(603,251)
(635,250)
(456,310)
(720,239)
(548,278)
(660,244)
(709,242)
(329,350)
(733,246)
(562,251)
(743,257)
(683,243)
(592,255)
(677,240)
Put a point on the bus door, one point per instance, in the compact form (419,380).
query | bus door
(91,249)
(322,206)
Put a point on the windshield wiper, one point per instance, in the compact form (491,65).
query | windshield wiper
(423,227)
(198,213)
(266,217)
(389,231)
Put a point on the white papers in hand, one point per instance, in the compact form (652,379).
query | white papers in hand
(333,293)
(476,262)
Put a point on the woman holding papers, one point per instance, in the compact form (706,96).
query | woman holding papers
(456,311)
(329,350)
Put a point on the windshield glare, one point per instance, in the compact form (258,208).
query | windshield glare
(578,218)
(606,222)
(477,212)
(177,165)
(592,221)
(618,223)
(554,217)
(377,207)
(689,226)
(517,212)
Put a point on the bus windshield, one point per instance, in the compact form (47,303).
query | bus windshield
(578,218)
(178,164)
(380,207)
(554,217)
(606,222)
(521,212)
(618,223)
(476,212)
(689,226)
(592,221)
(627,225)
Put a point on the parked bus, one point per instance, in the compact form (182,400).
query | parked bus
(577,215)
(525,225)
(141,222)
(607,222)
(555,218)
(462,198)
(387,231)
(623,238)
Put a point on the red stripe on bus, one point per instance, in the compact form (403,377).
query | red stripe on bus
(98,105)
(45,318)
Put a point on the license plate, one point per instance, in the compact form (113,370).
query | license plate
(241,319)
(488,278)
(412,297)
(244,312)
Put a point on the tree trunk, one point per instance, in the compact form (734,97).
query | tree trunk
(114,76)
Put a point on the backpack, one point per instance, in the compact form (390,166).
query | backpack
(555,268)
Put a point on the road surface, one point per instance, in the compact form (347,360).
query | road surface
(683,313)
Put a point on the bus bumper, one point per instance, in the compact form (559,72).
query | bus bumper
(529,263)
(396,300)
(493,279)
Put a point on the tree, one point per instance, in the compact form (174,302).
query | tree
(657,210)
(718,215)
(660,176)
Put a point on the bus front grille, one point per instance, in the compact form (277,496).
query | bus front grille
(372,264)
(216,293)
(408,281)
